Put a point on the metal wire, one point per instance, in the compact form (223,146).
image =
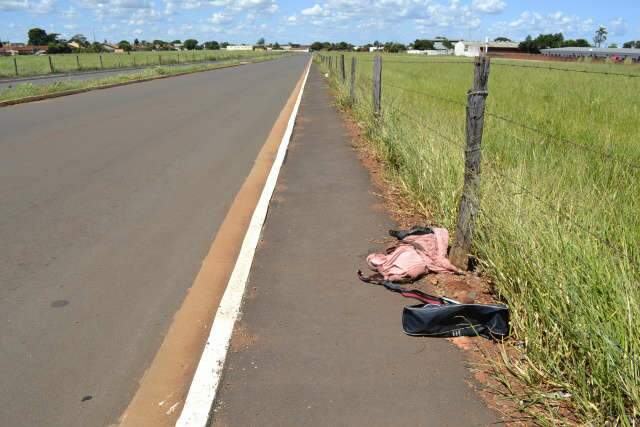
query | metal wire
(608,73)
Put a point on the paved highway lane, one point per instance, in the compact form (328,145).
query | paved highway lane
(108,203)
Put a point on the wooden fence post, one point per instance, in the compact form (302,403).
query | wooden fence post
(78,62)
(15,65)
(101,63)
(159,60)
(134,60)
(470,200)
(377,84)
(50,64)
(352,77)
(343,75)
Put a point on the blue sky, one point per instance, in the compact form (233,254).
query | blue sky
(302,21)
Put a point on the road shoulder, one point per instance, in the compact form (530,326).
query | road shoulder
(315,346)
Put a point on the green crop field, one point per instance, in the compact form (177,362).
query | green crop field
(559,226)
(29,65)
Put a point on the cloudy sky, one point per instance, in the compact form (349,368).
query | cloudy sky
(303,21)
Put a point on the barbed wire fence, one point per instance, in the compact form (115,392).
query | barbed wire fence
(475,109)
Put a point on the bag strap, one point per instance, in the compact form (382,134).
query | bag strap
(401,234)
(407,293)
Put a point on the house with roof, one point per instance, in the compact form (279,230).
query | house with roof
(21,49)
(474,48)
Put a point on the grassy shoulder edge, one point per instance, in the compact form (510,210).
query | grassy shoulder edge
(55,90)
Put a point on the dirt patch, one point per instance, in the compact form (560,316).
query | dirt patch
(242,339)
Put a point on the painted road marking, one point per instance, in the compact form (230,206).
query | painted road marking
(206,380)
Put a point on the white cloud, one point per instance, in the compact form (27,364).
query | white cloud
(558,22)
(41,6)
(489,6)
(316,10)
(618,27)
(219,18)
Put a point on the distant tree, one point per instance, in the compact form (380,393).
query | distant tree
(260,41)
(136,42)
(80,39)
(316,46)
(394,47)
(420,44)
(224,45)
(600,36)
(212,45)
(447,43)
(543,41)
(276,46)
(502,39)
(96,47)
(633,44)
(613,45)
(176,42)
(125,45)
(38,36)
(58,46)
(190,44)
(576,43)
(377,44)
(342,46)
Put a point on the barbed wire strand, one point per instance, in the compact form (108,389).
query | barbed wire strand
(609,73)
(525,126)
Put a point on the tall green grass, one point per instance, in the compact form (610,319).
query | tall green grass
(29,65)
(559,229)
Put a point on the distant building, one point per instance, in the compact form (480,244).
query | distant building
(375,48)
(469,48)
(21,49)
(239,47)
(593,52)
(113,48)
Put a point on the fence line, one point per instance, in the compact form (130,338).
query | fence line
(509,120)
(608,73)
(467,214)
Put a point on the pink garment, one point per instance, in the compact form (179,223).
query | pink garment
(413,257)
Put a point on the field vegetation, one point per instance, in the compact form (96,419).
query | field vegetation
(24,90)
(29,65)
(559,226)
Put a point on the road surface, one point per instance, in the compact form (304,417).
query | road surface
(110,200)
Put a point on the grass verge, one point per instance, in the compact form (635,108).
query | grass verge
(558,233)
(31,65)
(23,91)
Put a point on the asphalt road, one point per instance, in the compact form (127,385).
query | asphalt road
(89,75)
(110,200)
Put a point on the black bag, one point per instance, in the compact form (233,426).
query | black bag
(443,317)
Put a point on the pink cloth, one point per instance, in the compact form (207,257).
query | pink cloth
(414,256)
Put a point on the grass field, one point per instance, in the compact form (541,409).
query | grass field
(29,65)
(24,90)
(559,228)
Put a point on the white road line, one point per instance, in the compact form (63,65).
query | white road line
(206,380)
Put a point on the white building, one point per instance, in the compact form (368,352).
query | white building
(239,47)
(375,48)
(465,48)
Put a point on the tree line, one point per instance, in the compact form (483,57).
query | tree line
(392,47)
